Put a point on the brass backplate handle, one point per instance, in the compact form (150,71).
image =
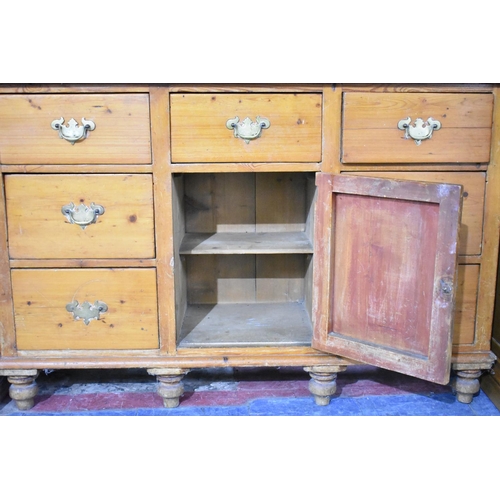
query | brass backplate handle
(81,214)
(421,130)
(72,132)
(86,311)
(247,129)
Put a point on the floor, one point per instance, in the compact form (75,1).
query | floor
(361,390)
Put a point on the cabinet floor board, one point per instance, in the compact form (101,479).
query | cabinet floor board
(252,324)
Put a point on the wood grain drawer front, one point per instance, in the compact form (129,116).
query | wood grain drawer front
(39,230)
(371,135)
(466,300)
(474,184)
(43,321)
(121,135)
(200,134)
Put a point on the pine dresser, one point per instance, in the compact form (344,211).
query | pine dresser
(179,227)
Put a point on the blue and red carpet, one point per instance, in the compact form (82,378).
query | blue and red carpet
(361,390)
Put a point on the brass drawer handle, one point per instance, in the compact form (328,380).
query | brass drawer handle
(73,132)
(86,311)
(81,214)
(247,129)
(421,130)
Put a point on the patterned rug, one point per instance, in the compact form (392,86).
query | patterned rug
(361,390)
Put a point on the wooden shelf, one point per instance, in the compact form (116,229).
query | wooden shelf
(246,243)
(251,324)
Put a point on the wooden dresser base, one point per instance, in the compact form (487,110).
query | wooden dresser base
(243,225)
(323,383)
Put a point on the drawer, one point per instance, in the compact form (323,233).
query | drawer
(48,302)
(466,300)
(121,134)
(371,135)
(474,184)
(38,229)
(200,133)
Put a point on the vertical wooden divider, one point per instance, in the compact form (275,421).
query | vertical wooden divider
(321,287)
(491,228)
(323,248)
(160,126)
(330,163)
(7,329)
(332,126)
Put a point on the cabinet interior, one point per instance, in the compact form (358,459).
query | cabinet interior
(243,258)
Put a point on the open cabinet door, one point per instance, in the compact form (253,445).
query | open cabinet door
(385,272)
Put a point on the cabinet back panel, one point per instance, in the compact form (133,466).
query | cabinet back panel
(241,202)
(219,203)
(213,279)
(281,202)
(280,278)
(217,279)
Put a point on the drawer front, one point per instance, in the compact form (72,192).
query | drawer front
(465,307)
(48,302)
(121,134)
(38,229)
(200,131)
(474,185)
(371,134)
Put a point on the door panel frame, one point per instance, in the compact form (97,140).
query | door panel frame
(436,366)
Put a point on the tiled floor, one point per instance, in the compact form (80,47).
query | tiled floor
(361,390)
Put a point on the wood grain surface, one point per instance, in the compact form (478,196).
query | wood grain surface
(122,134)
(39,230)
(371,134)
(391,247)
(42,321)
(199,132)
(474,185)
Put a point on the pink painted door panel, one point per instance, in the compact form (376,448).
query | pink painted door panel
(385,272)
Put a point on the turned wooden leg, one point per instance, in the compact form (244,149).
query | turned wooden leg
(468,372)
(23,387)
(323,383)
(467,384)
(170,386)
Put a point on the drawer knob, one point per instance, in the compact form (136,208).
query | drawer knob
(446,287)
(81,214)
(73,132)
(421,130)
(247,129)
(86,311)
